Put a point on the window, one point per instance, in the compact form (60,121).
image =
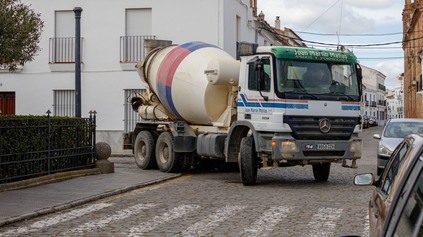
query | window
(62,46)
(131,117)
(318,80)
(138,28)
(252,80)
(64,103)
(392,169)
(407,215)
(64,24)
(411,220)
(238,28)
(138,22)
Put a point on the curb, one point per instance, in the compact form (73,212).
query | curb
(84,201)
(51,178)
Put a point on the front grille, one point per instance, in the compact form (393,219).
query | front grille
(307,128)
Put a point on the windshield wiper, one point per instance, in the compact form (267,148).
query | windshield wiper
(302,94)
(340,95)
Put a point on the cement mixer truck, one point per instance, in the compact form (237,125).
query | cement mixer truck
(262,111)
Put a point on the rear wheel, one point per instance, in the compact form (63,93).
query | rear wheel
(144,150)
(247,161)
(167,159)
(321,171)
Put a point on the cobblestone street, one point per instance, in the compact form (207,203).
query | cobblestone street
(285,202)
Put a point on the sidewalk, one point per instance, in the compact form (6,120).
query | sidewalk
(18,205)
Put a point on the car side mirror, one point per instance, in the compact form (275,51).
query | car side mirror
(376,136)
(364,179)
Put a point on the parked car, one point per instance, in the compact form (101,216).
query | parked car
(395,208)
(393,133)
(372,121)
(364,121)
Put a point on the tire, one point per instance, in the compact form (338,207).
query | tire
(167,160)
(144,151)
(247,162)
(321,171)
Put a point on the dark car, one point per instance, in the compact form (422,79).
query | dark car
(393,133)
(364,121)
(372,121)
(395,208)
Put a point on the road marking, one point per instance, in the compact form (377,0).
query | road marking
(204,227)
(175,213)
(120,215)
(323,222)
(265,225)
(67,216)
(366,231)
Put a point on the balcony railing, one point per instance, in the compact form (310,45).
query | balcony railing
(132,48)
(62,50)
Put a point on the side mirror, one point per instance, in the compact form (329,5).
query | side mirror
(376,136)
(359,73)
(365,179)
(261,78)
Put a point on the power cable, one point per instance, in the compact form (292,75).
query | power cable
(321,14)
(347,45)
(360,35)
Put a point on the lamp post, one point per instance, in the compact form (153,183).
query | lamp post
(77,11)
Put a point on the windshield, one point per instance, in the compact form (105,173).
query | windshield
(402,129)
(319,79)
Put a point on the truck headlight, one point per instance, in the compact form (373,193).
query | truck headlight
(288,148)
(355,148)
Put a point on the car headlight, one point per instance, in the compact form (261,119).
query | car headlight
(383,150)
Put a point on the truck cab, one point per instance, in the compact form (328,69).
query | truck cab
(301,107)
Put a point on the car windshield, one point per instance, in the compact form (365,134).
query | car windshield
(402,129)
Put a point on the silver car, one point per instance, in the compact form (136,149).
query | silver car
(393,133)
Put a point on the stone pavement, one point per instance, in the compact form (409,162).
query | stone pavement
(25,203)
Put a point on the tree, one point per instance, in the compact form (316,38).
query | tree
(20,33)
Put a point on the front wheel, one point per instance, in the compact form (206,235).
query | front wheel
(247,161)
(144,150)
(321,171)
(167,159)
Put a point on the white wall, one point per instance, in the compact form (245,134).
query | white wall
(102,79)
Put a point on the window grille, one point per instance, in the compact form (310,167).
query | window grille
(64,103)
(62,50)
(132,48)
(131,117)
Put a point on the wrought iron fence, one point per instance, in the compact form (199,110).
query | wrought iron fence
(36,146)
(132,48)
(62,50)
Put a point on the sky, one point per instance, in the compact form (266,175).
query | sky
(370,28)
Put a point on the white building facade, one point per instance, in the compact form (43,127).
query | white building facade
(112,35)
(395,103)
(373,103)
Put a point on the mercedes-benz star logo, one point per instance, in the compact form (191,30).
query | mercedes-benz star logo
(324,125)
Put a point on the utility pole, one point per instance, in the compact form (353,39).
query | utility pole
(77,11)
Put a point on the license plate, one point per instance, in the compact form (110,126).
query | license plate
(325,146)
